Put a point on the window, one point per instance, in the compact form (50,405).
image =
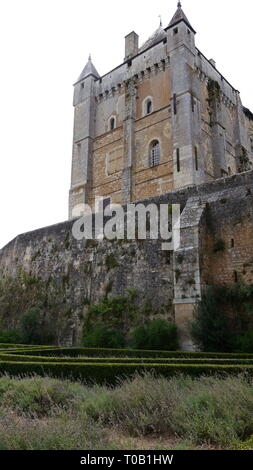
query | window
(229,171)
(235,276)
(154,153)
(149,107)
(196,159)
(112,123)
(175,30)
(232,243)
(82,85)
(178,160)
(251,144)
(175,103)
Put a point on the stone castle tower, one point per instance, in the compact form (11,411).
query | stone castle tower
(165,118)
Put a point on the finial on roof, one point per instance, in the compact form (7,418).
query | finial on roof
(179,5)
(160,20)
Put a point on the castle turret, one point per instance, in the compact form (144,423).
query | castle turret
(184,101)
(84,104)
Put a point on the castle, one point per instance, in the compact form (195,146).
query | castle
(163,127)
(164,119)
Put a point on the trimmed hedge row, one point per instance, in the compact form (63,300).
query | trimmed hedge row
(8,346)
(102,360)
(136,353)
(110,373)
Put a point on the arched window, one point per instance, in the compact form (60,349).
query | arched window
(148,107)
(154,153)
(112,123)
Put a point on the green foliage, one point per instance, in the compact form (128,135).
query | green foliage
(223,314)
(100,353)
(115,313)
(244,162)
(159,334)
(24,293)
(31,327)
(102,337)
(210,329)
(244,343)
(10,336)
(52,414)
(139,337)
(34,330)
(246,445)
(110,373)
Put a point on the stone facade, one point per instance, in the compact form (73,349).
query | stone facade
(167,92)
(166,96)
(219,212)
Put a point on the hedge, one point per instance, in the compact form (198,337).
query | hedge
(4,346)
(103,360)
(104,352)
(110,373)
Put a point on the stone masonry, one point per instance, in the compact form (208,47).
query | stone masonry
(212,212)
(165,92)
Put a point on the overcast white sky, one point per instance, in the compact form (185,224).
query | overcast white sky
(44,47)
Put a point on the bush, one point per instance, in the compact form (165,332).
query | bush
(110,373)
(117,353)
(244,342)
(10,336)
(159,334)
(31,327)
(223,314)
(210,329)
(139,337)
(104,338)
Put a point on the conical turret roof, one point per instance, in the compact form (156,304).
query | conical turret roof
(89,69)
(180,16)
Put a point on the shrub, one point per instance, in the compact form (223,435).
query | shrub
(159,334)
(139,337)
(223,314)
(210,328)
(104,338)
(31,327)
(10,336)
(244,342)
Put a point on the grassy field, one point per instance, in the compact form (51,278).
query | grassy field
(144,412)
(84,398)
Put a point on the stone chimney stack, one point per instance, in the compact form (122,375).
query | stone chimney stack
(131,45)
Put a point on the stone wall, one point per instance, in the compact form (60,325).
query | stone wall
(216,247)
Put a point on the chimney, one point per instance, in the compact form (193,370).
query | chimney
(131,45)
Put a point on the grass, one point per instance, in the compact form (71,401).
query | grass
(144,412)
